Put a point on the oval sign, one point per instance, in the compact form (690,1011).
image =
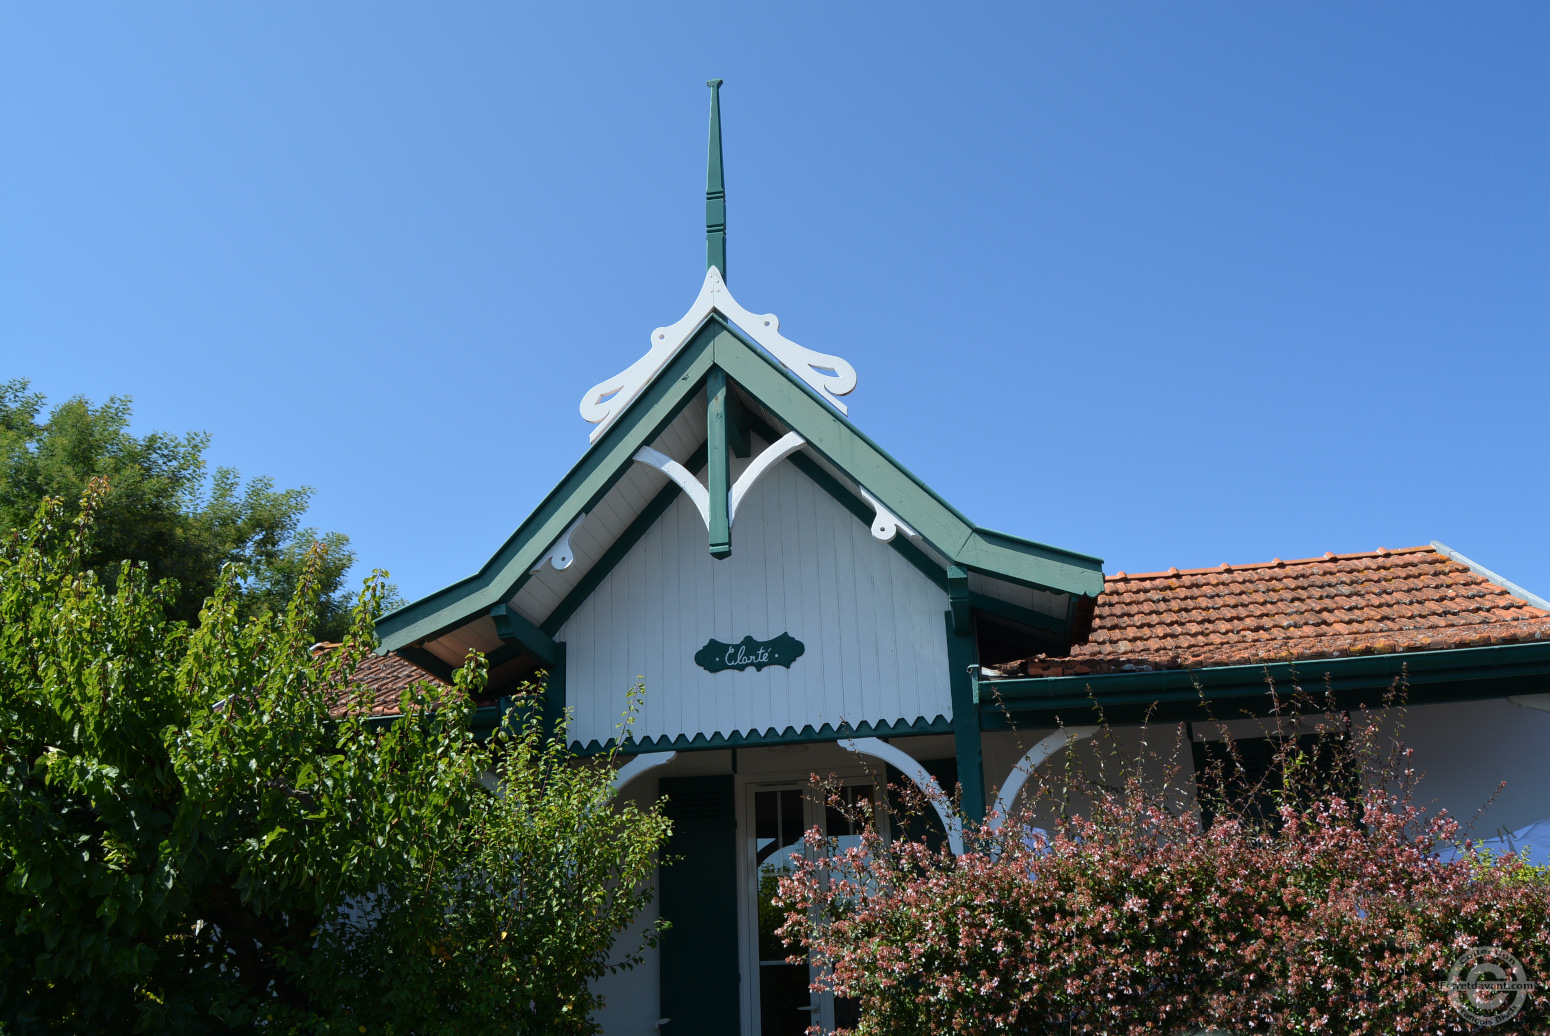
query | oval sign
(716,657)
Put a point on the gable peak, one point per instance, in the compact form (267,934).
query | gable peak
(829,376)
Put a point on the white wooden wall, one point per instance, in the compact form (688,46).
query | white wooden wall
(873,627)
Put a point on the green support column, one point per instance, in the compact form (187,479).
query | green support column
(715,190)
(961,654)
(718,476)
(554,691)
(958,599)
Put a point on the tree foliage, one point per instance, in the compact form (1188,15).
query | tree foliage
(191,840)
(167,511)
(1333,915)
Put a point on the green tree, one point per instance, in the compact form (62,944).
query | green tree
(166,510)
(201,830)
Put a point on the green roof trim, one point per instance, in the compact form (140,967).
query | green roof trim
(586,483)
(939,523)
(770,736)
(1454,674)
(718,344)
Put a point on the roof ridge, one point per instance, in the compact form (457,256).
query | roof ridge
(1381,552)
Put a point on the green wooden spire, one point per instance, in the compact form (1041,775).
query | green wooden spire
(715,190)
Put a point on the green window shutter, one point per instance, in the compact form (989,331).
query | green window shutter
(699,958)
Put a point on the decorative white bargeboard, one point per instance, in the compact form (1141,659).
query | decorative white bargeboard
(829,376)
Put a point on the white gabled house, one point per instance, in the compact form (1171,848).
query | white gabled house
(795,600)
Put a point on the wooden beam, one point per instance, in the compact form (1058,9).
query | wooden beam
(510,626)
(719,473)
(426,661)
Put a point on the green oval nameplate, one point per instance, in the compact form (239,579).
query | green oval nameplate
(715,656)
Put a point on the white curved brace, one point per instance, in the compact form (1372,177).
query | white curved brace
(639,765)
(885,524)
(693,487)
(829,376)
(561,555)
(772,455)
(914,771)
(1060,739)
(1531,701)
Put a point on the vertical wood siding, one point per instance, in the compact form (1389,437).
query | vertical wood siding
(876,646)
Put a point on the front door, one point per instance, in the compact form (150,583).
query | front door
(782,815)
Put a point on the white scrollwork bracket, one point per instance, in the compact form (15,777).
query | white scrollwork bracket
(829,376)
(878,749)
(771,455)
(885,524)
(561,555)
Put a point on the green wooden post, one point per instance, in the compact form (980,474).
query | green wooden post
(961,654)
(718,477)
(958,599)
(554,692)
(715,190)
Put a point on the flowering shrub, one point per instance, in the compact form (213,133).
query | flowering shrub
(1334,917)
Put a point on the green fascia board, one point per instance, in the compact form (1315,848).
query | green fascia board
(593,475)
(997,553)
(719,343)
(482,722)
(1451,674)
(770,736)
(941,525)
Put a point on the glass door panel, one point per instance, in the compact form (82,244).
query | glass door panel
(781,818)
(785,1005)
(841,1011)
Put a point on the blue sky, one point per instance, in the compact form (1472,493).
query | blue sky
(1173,284)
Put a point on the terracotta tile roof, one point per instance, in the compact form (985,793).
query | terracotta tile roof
(1414,599)
(387,676)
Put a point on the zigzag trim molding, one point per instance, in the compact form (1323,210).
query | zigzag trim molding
(769,736)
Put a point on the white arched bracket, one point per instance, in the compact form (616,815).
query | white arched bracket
(693,487)
(772,454)
(639,765)
(829,376)
(912,769)
(1541,702)
(885,524)
(561,555)
(1056,742)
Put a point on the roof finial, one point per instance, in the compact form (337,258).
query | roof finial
(715,190)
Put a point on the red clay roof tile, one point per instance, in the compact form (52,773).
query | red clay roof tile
(1414,599)
(387,676)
